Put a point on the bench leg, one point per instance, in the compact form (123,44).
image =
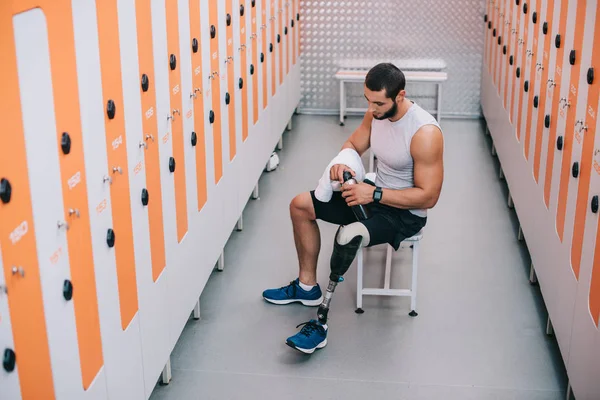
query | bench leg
(166,375)
(197,310)
(439,103)
(359,281)
(280,143)
(221,262)
(342,102)
(413,289)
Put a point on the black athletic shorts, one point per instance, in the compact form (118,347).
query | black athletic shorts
(386,225)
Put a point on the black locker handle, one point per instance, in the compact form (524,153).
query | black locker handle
(536,101)
(213,31)
(194,138)
(171,164)
(67,290)
(241,83)
(559,143)
(572,57)
(110,238)
(5,190)
(211,116)
(172,61)
(9,360)
(547,121)
(145,83)
(65,143)
(575,169)
(111,109)
(145,197)
(590,76)
(195,45)
(545,28)
(557,41)
(595,204)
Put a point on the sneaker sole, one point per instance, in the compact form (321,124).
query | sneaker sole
(309,303)
(307,351)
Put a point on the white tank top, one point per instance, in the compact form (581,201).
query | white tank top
(390,142)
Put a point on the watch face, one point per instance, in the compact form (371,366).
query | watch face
(377,195)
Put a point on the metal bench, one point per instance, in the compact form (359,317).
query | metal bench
(358,76)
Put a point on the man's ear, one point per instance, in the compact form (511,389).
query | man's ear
(400,96)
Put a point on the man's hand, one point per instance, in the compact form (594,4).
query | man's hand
(336,173)
(358,193)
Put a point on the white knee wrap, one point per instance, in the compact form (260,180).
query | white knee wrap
(349,232)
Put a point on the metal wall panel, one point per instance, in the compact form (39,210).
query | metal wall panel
(372,31)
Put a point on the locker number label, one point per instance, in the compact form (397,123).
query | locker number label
(20,231)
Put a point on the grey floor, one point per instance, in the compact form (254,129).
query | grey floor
(480,333)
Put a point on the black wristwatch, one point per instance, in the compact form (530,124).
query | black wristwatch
(377,194)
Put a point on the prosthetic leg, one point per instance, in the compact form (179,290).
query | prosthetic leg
(348,240)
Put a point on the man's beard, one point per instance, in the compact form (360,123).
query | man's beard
(389,113)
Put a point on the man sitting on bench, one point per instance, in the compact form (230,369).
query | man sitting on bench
(408,144)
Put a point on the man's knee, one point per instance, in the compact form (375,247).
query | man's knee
(348,232)
(302,206)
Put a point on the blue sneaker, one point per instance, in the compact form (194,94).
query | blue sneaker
(311,337)
(294,293)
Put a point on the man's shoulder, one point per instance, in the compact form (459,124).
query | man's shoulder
(426,141)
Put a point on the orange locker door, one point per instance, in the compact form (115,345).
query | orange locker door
(230,94)
(515,60)
(17,234)
(522,68)
(280,17)
(150,137)
(61,41)
(198,136)
(214,116)
(272,48)
(287,34)
(535,57)
(547,30)
(590,164)
(242,82)
(176,119)
(263,54)
(499,27)
(254,65)
(553,94)
(507,50)
(569,107)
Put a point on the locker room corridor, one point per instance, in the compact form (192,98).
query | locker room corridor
(480,332)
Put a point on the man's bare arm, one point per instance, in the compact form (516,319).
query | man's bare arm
(427,148)
(360,140)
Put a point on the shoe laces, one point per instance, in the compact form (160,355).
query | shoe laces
(309,327)
(287,288)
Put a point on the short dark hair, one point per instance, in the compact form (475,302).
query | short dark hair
(386,76)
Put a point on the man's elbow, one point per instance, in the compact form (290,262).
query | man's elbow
(431,200)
